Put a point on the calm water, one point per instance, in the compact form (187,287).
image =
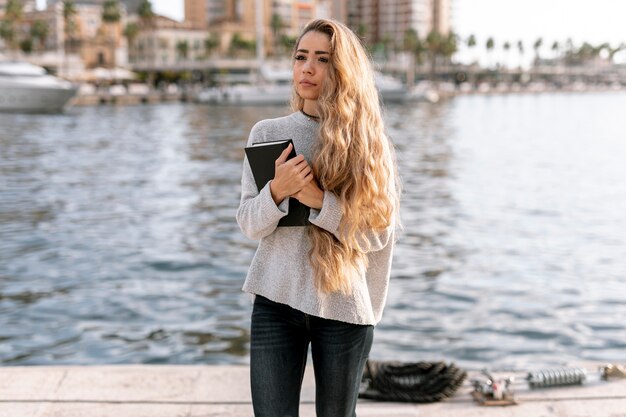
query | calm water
(118,242)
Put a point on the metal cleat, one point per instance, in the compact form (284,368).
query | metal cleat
(493,392)
(611,371)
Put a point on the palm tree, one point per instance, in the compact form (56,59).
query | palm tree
(362,31)
(131,31)
(111,15)
(409,45)
(569,51)
(277,27)
(238,43)
(449,46)
(520,49)
(39,31)
(433,45)
(182,47)
(613,51)
(507,47)
(471,41)
(69,28)
(490,45)
(536,47)
(211,43)
(12,17)
(146,13)
(556,47)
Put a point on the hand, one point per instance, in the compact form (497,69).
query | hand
(290,175)
(311,195)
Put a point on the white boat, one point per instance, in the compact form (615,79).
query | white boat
(390,89)
(277,90)
(28,88)
(246,94)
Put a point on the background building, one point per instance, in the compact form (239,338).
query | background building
(236,19)
(131,5)
(27,5)
(166,43)
(387,21)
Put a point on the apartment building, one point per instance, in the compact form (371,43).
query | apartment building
(388,20)
(166,44)
(230,17)
(131,5)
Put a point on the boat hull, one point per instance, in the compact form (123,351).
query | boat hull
(246,95)
(21,99)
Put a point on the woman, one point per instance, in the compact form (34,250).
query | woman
(325,283)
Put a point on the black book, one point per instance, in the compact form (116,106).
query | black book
(262,157)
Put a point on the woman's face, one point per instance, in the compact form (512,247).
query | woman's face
(311,64)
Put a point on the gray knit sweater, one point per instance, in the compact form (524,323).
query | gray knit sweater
(280,270)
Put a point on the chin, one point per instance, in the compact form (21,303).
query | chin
(308,95)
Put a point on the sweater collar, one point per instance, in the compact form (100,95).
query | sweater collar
(301,119)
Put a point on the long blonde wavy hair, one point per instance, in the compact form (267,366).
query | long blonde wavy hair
(353,159)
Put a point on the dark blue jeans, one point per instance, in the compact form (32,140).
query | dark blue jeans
(279,345)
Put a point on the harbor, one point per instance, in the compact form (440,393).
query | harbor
(122,134)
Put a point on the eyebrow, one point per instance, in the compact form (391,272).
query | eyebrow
(306,51)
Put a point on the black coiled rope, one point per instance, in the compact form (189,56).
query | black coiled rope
(419,382)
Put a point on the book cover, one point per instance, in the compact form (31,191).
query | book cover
(262,157)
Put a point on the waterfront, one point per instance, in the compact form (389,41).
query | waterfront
(119,243)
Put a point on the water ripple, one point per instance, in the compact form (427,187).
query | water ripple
(119,245)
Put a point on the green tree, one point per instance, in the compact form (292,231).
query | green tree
(520,49)
(613,51)
(211,43)
(449,46)
(111,16)
(8,26)
(536,47)
(131,31)
(39,30)
(507,47)
(239,44)
(182,47)
(69,29)
(556,47)
(433,45)
(410,40)
(111,12)
(146,13)
(471,42)
(288,42)
(277,25)
(362,31)
(490,45)
(26,45)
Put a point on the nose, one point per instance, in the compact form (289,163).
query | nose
(307,68)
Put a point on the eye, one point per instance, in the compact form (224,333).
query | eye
(324,60)
(300,57)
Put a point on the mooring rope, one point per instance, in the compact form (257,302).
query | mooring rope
(420,382)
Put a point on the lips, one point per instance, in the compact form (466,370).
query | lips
(307,83)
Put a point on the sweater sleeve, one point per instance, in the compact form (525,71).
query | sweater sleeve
(257,215)
(330,217)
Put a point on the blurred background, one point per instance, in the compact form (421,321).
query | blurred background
(122,127)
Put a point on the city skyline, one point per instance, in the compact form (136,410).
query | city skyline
(595,21)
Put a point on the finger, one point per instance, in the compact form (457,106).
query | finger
(284,155)
(297,160)
(305,171)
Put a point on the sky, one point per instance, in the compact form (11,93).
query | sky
(594,21)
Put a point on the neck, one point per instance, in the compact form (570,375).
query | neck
(310,116)
(310,108)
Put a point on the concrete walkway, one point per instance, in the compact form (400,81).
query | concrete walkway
(194,391)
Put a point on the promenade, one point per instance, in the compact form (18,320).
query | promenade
(195,391)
